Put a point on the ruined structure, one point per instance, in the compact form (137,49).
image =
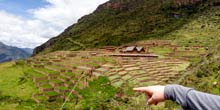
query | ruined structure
(133,49)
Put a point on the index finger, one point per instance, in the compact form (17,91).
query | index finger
(141,89)
(146,90)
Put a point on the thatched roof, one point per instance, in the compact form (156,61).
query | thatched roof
(133,48)
(139,48)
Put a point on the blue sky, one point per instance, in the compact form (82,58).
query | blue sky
(29,23)
(21,7)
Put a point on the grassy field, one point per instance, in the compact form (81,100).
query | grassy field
(13,83)
(160,50)
(15,89)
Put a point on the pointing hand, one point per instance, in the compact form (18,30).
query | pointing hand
(154,94)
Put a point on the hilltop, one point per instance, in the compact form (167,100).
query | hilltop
(9,53)
(118,22)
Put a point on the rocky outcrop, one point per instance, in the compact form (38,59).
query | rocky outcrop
(44,46)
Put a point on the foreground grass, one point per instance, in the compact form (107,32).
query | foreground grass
(15,89)
(11,82)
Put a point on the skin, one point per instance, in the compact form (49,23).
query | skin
(154,94)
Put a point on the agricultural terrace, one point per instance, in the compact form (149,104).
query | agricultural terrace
(57,73)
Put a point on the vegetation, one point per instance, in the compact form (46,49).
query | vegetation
(47,71)
(134,21)
(97,94)
(16,88)
(205,75)
(161,50)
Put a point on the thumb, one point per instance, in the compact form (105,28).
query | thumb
(150,101)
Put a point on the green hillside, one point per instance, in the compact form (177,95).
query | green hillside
(123,21)
(205,74)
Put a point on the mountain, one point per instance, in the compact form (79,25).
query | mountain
(28,50)
(8,53)
(118,22)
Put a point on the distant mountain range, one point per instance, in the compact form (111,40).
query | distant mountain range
(28,50)
(9,53)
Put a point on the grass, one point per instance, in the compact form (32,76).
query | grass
(41,98)
(126,77)
(63,88)
(15,106)
(93,64)
(186,54)
(56,81)
(62,77)
(202,31)
(43,81)
(114,77)
(51,93)
(46,70)
(181,67)
(10,76)
(53,66)
(46,86)
(160,50)
(103,59)
(15,84)
(118,83)
(33,73)
(70,74)
(204,73)
(150,83)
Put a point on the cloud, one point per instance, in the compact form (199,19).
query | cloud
(20,32)
(45,22)
(62,13)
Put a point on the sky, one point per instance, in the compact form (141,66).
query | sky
(29,23)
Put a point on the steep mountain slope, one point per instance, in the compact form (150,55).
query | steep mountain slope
(8,53)
(122,21)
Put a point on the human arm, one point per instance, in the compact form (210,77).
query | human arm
(188,98)
(191,99)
